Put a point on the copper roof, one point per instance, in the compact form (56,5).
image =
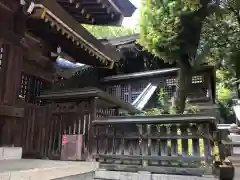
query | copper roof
(63,23)
(83,93)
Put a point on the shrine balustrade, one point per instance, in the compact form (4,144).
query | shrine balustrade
(173,144)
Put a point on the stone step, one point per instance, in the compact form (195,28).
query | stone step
(10,153)
(235,159)
(84,176)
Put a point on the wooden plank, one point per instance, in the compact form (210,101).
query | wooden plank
(47,131)
(11,111)
(152,158)
(185,150)
(32,130)
(28,128)
(161,119)
(174,144)
(163,145)
(50,133)
(155,137)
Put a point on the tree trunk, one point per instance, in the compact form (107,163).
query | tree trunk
(183,84)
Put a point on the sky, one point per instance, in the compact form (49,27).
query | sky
(131,22)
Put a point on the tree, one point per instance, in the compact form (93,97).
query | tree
(107,31)
(171,29)
(223,30)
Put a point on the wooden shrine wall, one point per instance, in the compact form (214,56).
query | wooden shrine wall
(15,48)
(44,126)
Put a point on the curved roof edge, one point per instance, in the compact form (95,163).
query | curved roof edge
(125,6)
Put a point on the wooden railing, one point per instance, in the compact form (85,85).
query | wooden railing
(43,126)
(175,144)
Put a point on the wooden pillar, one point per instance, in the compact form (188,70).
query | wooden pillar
(12,73)
(13,53)
(10,89)
(117,113)
(93,116)
(93,110)
(14,59)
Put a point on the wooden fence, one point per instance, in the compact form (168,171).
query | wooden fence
(173,144)
(43,126)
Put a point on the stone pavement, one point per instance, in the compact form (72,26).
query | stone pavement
(237,173)
(28,169)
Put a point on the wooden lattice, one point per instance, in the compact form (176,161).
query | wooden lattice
(127,92)
(31,87)
(170,86)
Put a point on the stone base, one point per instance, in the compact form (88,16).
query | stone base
(116,175)
(234,137)
(235,160)
(10,153)
(236,151)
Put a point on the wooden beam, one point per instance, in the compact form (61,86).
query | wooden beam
(38,51)
(10,36)
(11,111)
(40,60)
(10,6)
(34,70)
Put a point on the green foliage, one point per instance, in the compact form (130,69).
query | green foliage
(153,112)
(224,94)
(107,31)
(164,106)
(161,23)
(223,33)
(223,30)
(190,109)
